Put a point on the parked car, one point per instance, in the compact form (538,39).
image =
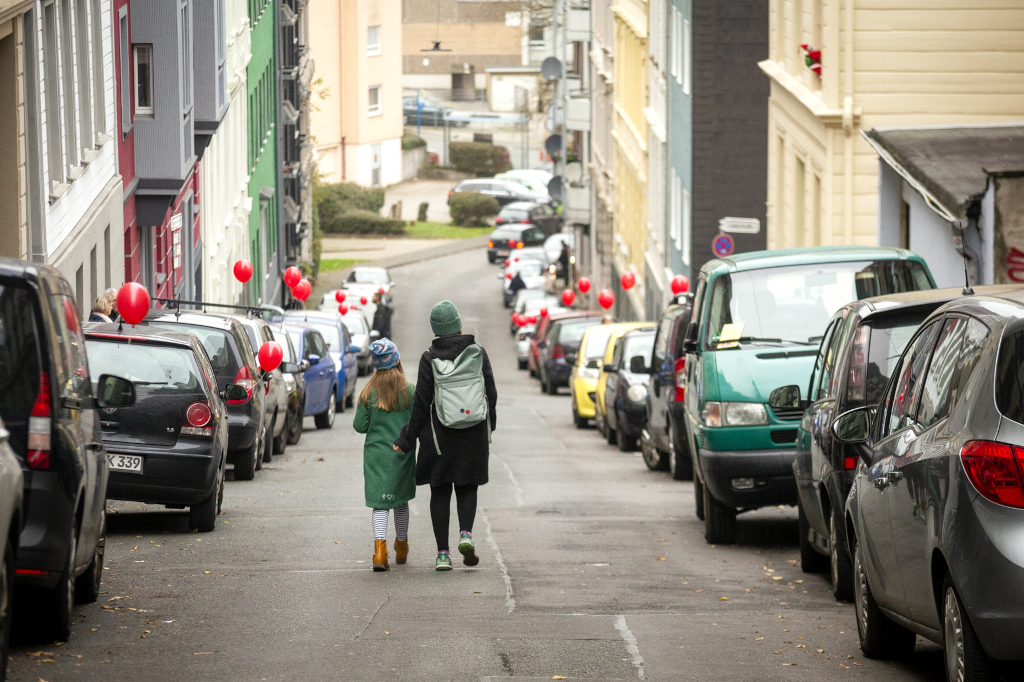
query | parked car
(936,510)
(371,278)
(432,113)
(530,213)
(339,347)
(523,335)
(12,494)
(663,439)
(230,353)
(532,273)
(625,391)
(276,403)
(553,245)
(559,344)
(758,319)
(529,302)
(294,382)
(169,447)
(52,415)
(586,371)
(857,354)
(534,179)
(506,238)
(504,191)
(321,376)
(359,331)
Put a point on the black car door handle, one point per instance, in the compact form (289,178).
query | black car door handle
(94,446)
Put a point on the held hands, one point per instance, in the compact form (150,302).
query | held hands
(396,448)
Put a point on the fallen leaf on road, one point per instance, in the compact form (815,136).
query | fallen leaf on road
(759,639)
(207,572)
(724,598)
(821,651)
(201,653)
(776,577)
(386,632)
(661,558)
(558,677)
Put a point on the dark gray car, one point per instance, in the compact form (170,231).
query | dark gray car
(936,511)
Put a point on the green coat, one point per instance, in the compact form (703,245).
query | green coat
(389,477)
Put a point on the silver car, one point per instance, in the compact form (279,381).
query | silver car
(355,322)
(258,332)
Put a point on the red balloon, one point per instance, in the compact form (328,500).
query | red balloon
(517,319)
(583,284)
(342,308)
(381,291)
(606,299)
(680,284)
(506,262)
(628,280)
(292,276)
(511,243)
(302,290)
(339,296)
(568,297)
(532,319)
(543,312)
(132,302)
(362,299)
(243,270)
(270,355)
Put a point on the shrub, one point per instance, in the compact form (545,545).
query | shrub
(469,209)
(479,158)
(358,221)
(332,203)
(410,141)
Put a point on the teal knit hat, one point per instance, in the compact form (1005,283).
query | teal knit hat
(444,319)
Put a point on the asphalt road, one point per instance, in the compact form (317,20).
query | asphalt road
(592,566)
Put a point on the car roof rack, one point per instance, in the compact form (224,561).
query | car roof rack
(176,303)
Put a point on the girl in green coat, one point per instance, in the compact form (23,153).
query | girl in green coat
(389,477)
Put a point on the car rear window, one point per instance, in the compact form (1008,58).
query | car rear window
(20,360)
(505,235)
(885,338)
(1010,377)
(286,345)
(573,331)
(331,336)
(638,344)
(510,214)
(218,344)
(597,342)
(355,325)
(152,368)
(528,268)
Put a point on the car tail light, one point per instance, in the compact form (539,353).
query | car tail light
(849,463)
(680,375)
(197,420)
(993,471)
(499,220)
(30,571)
(244,379)
(511,243)
(524,222)
(519,245)
(490,244)
(38,456)
(450,192)
(557,352)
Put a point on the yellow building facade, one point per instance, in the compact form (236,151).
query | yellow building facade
(883,63)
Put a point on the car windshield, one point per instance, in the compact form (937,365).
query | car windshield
(296,335)
(150,367)
(528,268)
(500,236)
(514,214)
(638,344)
(282,339)
(597,342)
(332,337)
(355,325)
(572,331)
(217,343)
(368,277)
(792,305)
(534,305)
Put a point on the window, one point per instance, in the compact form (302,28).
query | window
(186,59)
(800,202)
(98,80)
(674,45)
(374,99)
(221,49)
(829,387)
(819,362)
(974,344)
(373,41)
(144,80)
(685,69)
(124,73)
(51,86)
(904,397)
(84,77)
(67,50)
(938,384)
(536,33)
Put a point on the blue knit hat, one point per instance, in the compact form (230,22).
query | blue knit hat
(384,354)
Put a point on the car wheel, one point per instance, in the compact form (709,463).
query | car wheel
(325,419)
(522,364)
(60,601)
(879,636)
(220,491)
(719,521)
(265,452)
(6,605)
(810,560)
(841,568)
(679,462)
(543,384)
(295,432)
(245,463)
(624,442)
(203,516)
(698,498)
(578,421)
(281,439)
(340,406)
(610,436)
(87,587)
(655,459)
(966,661)
(552,387)
(350,400)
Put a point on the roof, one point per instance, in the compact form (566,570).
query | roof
(950,165)
(777,258)
(133,333)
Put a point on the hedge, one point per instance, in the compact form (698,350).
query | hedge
(469,209)
(479,158)
(410,141)
(333,203)
(359,221)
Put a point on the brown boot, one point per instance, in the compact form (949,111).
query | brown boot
(401,551)
(380,555)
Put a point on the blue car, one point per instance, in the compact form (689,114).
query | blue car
(321,379)
(339,346)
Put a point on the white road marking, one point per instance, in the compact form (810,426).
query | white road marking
(515,483)
(631,645)
(510,601)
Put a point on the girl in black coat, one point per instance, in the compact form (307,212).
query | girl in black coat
(459,461)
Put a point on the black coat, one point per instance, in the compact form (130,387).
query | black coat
(464,452)
(382,319)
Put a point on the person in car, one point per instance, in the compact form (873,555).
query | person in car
(382,316)
(460,462)
(384,406)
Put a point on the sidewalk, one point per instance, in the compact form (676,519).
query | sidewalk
(373,248)
(412,192)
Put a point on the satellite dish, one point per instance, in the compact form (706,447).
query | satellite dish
(555,187)
(574,171)
(435,48)
(553,145)
(551,68)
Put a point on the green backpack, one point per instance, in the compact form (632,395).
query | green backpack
(460,398)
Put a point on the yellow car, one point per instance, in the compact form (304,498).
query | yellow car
(586,379)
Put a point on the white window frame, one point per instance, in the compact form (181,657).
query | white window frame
(684,246)
(674,45)
(374,109)
(373,48)
(145,47)
(124,70)
(686,49)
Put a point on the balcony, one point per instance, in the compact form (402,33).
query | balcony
(576,204)
(577,25)
(209,64)
(577,113)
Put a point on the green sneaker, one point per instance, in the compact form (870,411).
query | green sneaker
(467,548)
(444,561)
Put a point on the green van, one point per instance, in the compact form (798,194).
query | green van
(758,319)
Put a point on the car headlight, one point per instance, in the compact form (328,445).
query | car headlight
(637,393)
(717,414)
(588,373)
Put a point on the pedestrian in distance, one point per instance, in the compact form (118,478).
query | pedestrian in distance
(382,316)
(454,410)
(516,285)
(101,310)
(389,480)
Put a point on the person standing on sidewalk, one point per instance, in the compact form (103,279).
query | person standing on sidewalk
(458,460)
(382,316)
(384,406)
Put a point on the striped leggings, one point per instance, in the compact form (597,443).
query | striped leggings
(380,523)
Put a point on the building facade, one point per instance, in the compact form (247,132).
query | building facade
(296,68)
(822,174)
(602,145)
(13,186)
(679,118)
(656,276)
(357,119)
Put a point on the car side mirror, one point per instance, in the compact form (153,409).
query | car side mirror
(114,391)
(541,344)
(353,348)
(852,428)
(235,392)
(374,334)
(610,369)
(785,398)
(289,367)
(637,365)
(314,359)
(690,340)
(303,365)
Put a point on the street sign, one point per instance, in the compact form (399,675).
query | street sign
(723,245)
(739,225)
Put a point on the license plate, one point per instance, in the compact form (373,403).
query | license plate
(125,463)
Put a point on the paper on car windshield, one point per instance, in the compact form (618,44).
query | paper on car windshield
(731,333)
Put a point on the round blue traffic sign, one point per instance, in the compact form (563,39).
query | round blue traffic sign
(723,245)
